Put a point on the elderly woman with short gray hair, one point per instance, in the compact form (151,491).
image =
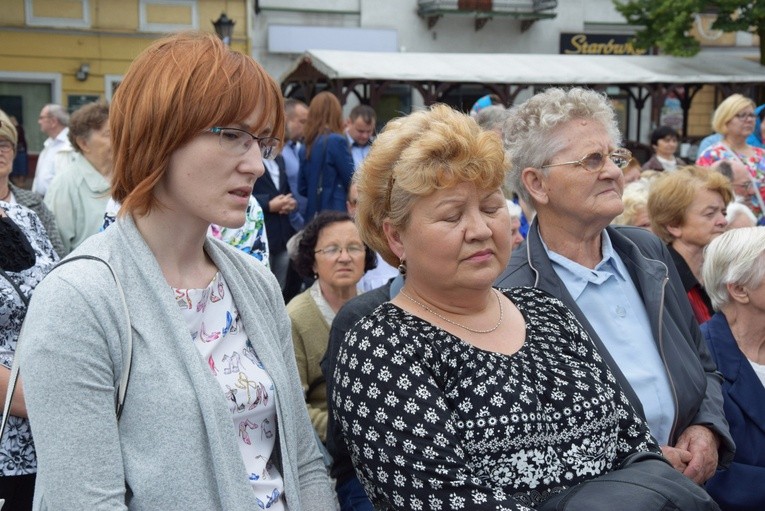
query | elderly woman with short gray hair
(734,274)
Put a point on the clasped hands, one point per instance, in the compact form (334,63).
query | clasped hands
(283,204)
(695,453)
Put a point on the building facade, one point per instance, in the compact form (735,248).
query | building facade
(75,51)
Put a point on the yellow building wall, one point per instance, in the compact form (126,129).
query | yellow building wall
(700,114)
(108,46)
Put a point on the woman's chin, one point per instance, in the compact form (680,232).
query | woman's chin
(232,221)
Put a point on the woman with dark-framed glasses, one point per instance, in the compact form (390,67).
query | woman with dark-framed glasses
(213,416)
(331,251)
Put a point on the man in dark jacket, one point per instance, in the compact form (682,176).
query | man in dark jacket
(620,283)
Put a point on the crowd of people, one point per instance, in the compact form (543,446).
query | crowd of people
(500,310)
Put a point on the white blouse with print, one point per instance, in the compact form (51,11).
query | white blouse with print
(217,332)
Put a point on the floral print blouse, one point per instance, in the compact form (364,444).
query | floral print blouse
(755,163)
(217,332)
(434,423)
(17,451)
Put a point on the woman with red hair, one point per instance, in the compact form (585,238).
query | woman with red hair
(214,416)
(326,164)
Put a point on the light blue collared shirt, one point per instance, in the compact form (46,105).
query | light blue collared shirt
(358,152)
(290,153)
(611,303)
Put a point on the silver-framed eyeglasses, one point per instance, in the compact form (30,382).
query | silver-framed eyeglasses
(335,250)
(594,162)
(745,116)
(5,147)
(239,141)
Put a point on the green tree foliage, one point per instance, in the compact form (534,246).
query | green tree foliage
(667,23)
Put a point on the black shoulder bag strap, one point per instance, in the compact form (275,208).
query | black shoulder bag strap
(320,184)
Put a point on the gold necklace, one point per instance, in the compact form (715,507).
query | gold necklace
(490,330)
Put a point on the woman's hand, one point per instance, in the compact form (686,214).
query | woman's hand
(703,444)
(18,407)
(679,458)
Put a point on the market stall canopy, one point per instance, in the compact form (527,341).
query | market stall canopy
(369,74)
(522,69)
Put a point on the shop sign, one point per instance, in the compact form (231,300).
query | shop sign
(598,44)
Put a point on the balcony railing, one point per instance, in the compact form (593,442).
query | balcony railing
(483,10)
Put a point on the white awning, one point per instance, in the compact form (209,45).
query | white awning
(525,69)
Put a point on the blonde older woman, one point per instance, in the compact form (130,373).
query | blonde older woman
(13,194)
(433,391)
(635,199)
(687,211)
(735,119)
(734,274)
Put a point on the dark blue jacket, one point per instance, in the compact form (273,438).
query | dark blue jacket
(742,486)
(325,177)
(278,227)
(694,379)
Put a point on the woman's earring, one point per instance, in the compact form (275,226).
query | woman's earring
(402,267)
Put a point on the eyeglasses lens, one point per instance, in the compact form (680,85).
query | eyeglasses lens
(268,146)
(334,250)
(593,162)
(239,141)
(619,159)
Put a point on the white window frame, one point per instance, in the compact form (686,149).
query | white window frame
(52,79)
(145,26)
(42,21)
(109,85)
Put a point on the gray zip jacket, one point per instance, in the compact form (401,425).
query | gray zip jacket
(693,376)
(174,448)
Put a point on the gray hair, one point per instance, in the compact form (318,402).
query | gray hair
(735,209)
(735,257)
(59,113)
(514,209)
(724,167)
(492,117)
(529,131)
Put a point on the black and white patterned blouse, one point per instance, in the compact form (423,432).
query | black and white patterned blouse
(17,452)
(434,423)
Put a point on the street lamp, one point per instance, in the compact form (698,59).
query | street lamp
(224,27)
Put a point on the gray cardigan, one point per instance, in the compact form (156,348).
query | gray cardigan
(175,444)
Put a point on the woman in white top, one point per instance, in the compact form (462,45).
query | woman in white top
(78,194)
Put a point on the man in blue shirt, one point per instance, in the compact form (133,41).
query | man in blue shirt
(360,128)
(296,115)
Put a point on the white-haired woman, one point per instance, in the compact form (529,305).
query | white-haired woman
(734,275)
(739,215)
